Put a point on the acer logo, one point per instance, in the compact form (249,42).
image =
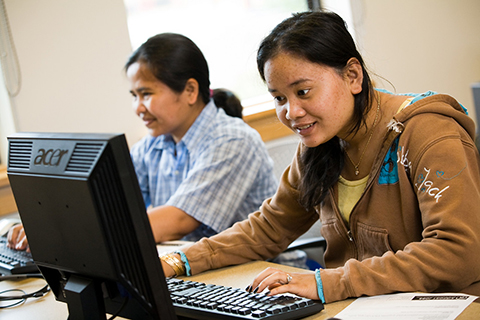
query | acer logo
(49,157)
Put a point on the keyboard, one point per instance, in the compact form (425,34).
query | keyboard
(205,301)
(15,262)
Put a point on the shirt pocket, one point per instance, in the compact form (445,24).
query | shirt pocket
(371,241)
(339,247)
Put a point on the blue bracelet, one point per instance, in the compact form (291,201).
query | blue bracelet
(318,279)
(184,259)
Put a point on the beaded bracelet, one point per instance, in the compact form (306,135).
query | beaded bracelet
(318,279)
(188,270)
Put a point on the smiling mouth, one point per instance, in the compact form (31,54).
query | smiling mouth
(147,122)
(301,128)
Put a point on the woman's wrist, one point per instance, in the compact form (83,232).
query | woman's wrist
(318,280)
(167,269)
(175,263)
(185,262)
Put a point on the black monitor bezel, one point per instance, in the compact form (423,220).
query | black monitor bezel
(32,185)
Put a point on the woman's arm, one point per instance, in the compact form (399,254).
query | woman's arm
(170,223)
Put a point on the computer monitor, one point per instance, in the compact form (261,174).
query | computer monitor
(81,206)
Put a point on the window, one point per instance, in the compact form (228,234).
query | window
(227,31)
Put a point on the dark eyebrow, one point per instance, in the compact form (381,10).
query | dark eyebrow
(140,90)
(299,81)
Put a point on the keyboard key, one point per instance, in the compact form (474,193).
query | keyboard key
(212,305)
(181,300)
(276,309)
(236,309)
(259,314)
(244,311)
(228,308)
(221,307)
(187,292)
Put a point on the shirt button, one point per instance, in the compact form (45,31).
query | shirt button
(177,172)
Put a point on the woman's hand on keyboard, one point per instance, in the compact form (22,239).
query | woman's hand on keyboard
(17,239)
(279,282)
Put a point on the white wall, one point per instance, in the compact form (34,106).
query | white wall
(71,57)
(7,123)
(72,54)
(422,45)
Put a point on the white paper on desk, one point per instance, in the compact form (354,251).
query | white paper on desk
(411,306)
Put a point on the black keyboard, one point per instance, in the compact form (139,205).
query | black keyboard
(205,301)
(15,262)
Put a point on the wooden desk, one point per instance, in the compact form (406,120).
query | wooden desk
(7,202)
(47,308)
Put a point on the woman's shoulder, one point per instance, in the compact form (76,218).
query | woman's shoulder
(233,128)
(144,144)
(226,134)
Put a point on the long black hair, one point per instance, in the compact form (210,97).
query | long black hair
(173,59)
(323,38)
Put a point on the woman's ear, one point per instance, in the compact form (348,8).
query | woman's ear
(354,75)
(191,91)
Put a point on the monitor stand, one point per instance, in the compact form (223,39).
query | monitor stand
(84,299)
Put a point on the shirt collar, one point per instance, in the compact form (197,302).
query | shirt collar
(192,137)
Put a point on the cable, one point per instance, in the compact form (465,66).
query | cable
(14,303)
(23,296)
(36,294)
(120,309)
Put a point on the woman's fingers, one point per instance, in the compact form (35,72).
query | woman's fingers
(302,284)
(13,235)
(16,238)
(265,278)
(279,282)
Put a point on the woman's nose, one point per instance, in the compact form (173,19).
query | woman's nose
(294,110)
(138,106)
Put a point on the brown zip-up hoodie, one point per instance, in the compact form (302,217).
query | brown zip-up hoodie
(415,228)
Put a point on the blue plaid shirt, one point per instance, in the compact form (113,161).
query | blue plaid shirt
(218,173)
